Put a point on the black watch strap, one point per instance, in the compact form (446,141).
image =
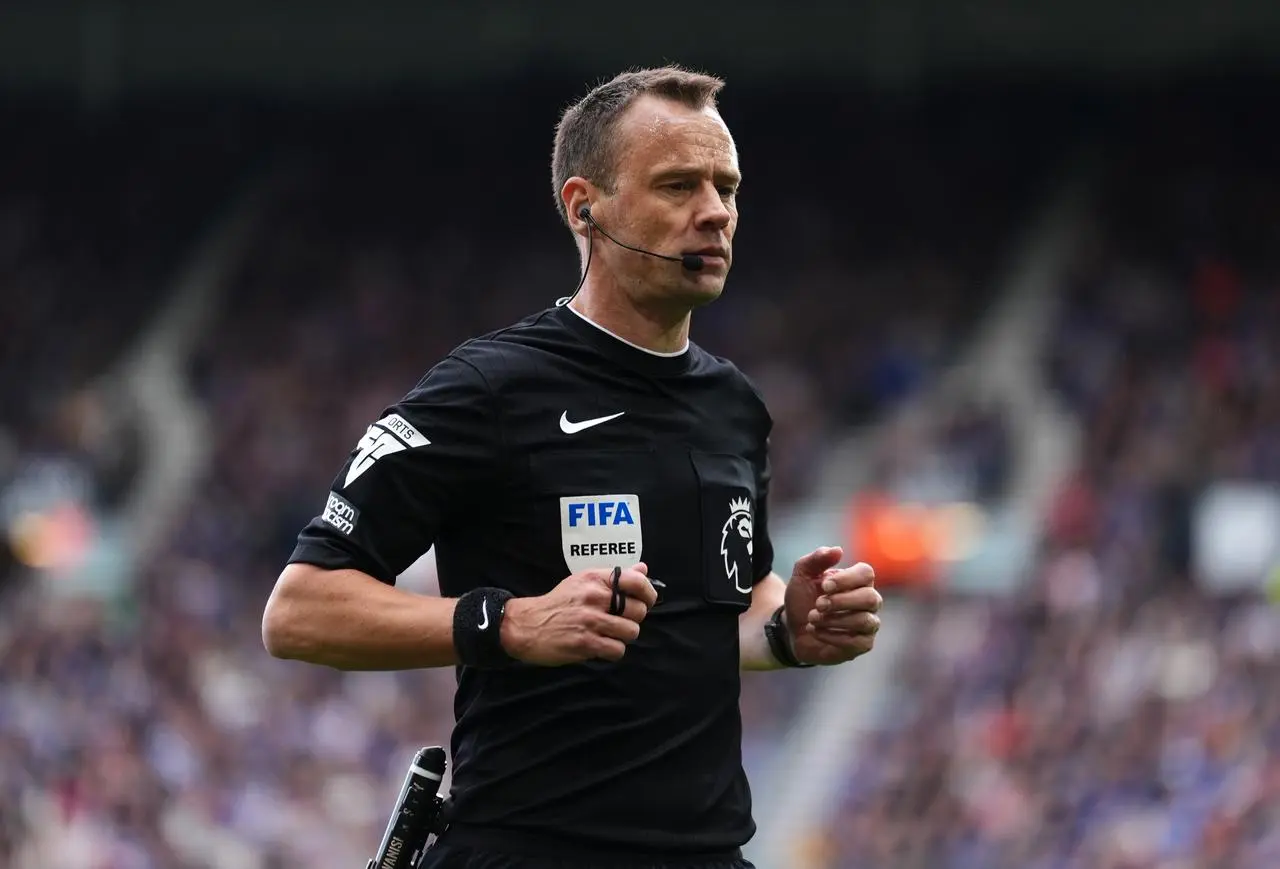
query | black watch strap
(775,631)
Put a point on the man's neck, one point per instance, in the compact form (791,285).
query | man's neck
(651,329)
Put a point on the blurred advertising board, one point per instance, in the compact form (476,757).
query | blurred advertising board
(961,546)
(51,528)
(1236,536)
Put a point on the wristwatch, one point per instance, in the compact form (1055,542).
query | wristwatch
(775,631)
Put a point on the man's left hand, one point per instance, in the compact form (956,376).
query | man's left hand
(831,613)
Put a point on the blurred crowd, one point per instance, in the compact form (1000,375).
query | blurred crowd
(96,212)
(1114,714)
(1119,712)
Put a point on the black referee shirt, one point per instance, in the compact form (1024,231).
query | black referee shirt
(541,450)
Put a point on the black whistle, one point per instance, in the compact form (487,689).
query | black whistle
(417,815)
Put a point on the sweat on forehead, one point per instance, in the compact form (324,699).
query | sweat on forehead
(675,127)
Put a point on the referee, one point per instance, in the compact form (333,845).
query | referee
(595,486)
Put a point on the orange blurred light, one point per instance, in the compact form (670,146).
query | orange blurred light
(58,539)
(906,542)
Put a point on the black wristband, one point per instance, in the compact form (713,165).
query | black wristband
(775,631)
(477,629)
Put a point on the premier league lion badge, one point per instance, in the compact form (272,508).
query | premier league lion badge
(735,540)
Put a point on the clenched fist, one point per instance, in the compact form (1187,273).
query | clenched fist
(571,623)
(832,615)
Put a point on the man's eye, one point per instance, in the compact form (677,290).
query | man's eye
(728,191)
(681,185)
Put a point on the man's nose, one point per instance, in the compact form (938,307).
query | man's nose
(712,211)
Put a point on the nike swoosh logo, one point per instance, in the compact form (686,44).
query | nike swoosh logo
(484,612)
(574,427)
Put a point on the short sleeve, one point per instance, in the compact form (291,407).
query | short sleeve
(762,545)
(416,468)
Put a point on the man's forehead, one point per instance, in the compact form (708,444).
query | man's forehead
(661,126)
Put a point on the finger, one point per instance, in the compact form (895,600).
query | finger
(598,595)
(635,584)
(820,559)
(607,649)
(860,600)
(635,610)
(853,623)
(604,575)
(858,576)
(616,628)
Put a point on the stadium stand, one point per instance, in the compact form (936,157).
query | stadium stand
(153,731)
(94,212)
(1120,712)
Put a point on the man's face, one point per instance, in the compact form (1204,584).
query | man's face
(675,192)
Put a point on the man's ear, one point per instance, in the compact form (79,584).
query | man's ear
(578,193)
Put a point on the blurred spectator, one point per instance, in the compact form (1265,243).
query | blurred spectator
(1117,714)
(152,732)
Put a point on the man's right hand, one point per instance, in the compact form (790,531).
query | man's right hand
(571,623)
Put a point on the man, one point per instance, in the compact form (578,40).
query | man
(595,486)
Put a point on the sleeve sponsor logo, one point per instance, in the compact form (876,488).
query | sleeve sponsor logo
(340,513)
(391,434)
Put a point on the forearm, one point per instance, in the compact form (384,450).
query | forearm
(753,648)
(350,621)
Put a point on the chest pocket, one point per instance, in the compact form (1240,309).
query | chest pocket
(727,506)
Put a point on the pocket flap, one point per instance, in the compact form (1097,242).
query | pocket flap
(727,495)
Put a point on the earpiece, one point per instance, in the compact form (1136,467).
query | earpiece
(690,261)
